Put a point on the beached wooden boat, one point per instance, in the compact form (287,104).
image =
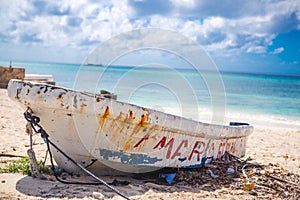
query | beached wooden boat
(121,136)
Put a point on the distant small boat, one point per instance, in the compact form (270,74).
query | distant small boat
(123,137)
(96,65)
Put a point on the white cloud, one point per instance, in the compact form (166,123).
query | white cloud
(256,49)
(81,24)
(191,29)
(184,3)
(278,50)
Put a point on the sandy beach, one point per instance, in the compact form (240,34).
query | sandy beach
(267,144)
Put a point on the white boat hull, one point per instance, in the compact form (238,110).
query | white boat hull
(121,136)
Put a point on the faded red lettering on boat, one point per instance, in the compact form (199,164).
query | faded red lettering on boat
(146,137)
(228,145)
(221,150)
(162,144)
(177,152)
(198,149)
(187,151)
(232,148)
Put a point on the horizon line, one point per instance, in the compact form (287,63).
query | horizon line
(179,68)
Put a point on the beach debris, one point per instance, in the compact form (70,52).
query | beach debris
(253,192)
(10,155)
(98,195)
(58,170)
(58,195)
(242,175)
(35,170)
(249,186)
(116,182)
(212,174)
(64,175)
(230,170)
(208,160)
(236,179)
(168,177)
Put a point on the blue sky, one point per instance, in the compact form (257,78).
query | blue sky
(248,36)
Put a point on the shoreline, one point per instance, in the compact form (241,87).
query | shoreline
(256,120)
(267,144)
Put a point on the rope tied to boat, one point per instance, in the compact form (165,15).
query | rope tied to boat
(37,128)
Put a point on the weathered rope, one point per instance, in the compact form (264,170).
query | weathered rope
(34,122)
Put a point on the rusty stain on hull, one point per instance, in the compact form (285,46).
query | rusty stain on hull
(60,97)
(139,127)
(116,128)
(103,117)
(130,118)
(144,120)
(82,105)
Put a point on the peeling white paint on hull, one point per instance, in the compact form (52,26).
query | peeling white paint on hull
(122,136)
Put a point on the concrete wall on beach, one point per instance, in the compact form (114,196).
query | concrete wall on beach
(7,73)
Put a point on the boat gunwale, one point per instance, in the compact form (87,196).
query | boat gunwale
(249,128)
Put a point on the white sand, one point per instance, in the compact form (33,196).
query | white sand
(268,144)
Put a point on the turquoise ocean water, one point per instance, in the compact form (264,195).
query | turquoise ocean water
(182,91)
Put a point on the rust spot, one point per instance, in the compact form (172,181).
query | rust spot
(60,97)
(130,116)
(105,114)
(115,127)
(82,107)
(120,117)
(132,139)
(144,120)
(97,99)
